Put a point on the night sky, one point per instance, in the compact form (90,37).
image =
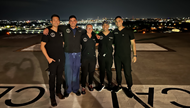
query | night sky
(83,9)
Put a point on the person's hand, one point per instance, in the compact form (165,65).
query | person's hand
(97,36)
(134,60)
(46,31)
(50,60)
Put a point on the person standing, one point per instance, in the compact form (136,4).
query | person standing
(88,59)
(105,57)
(123,39)
(72,36)
(52,48)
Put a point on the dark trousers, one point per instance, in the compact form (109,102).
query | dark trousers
(88,65)
(105,64)
(72,71)
(124,62)
(56,71)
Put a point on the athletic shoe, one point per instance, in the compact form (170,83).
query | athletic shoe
(101,87)
(130,93)
(78,93)
(83,91)
(66,94)
(117,89)
(90,88)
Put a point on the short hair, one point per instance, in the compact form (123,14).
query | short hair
(89,24)
(72,16)
(55,15)
(105,22)
(118,17)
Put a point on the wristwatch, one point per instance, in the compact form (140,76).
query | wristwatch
(134,55)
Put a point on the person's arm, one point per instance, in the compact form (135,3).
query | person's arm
(97,40)
(97,36)
(45,52)
(46,30)
(83,31)
(113,43)
(62,27)
(97,44)
(133,46)
(44,40)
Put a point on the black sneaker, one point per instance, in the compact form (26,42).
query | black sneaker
(130,93)
(66,94)
(117,89)
(83,91)
(101,87)
(53,102)
(60,96)
(78,93)
(90,88)
(110,86)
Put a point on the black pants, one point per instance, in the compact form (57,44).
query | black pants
(56,71)
(88,65)
(124,62)
(105,64)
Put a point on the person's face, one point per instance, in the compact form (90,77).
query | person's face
(55,21)
(89,28)
(118,22)
(73,22)
(105,27)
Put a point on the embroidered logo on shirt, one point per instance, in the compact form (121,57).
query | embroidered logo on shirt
(101,37)
(110,38)
(85,39)
(115,32)
(123,34)
(68,30)
(52,34)
(94,40)
(61,33)
(80,31)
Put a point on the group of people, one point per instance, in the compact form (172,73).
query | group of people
(61,45)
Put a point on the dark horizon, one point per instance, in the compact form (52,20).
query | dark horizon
(43,9)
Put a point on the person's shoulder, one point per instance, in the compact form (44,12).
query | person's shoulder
(100,33)
(115,30)
(111,33)
(51,31)
(62,26)
(59,30)
(83,35)
(93,35)
(127,29)
(80,29)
